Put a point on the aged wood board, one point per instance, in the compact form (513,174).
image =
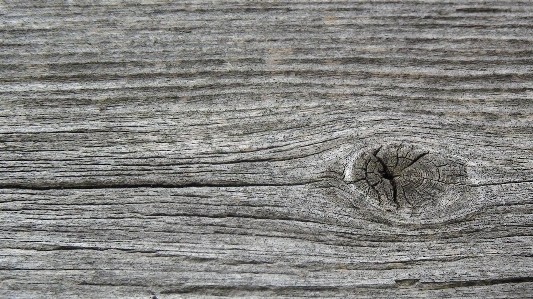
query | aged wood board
(261,149)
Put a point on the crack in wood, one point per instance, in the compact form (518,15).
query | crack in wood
(388,175)
(473,283)
(155,186)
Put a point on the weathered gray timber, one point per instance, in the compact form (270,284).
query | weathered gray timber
(327,149)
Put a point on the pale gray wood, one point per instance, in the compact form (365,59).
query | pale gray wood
(200,149)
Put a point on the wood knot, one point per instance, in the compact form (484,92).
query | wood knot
(409,178)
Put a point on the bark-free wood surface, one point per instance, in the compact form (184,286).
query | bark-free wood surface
(200,149)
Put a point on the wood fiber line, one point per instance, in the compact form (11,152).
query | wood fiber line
(209,149)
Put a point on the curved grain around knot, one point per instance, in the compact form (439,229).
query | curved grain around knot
(409,182)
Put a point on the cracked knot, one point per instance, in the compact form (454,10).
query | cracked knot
(406,176)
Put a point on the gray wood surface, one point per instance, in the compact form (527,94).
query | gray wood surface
(209,149)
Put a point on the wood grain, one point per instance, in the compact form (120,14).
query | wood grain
(198,149)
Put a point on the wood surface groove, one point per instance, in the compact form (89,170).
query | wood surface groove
(199,149)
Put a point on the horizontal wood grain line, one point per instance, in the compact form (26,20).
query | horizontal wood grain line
(501,183)
(405,283)
(177,185)
(246,74)
(472,283)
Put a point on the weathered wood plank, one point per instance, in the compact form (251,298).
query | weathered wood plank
(201,148)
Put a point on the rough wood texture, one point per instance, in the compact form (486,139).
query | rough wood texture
(203,149)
